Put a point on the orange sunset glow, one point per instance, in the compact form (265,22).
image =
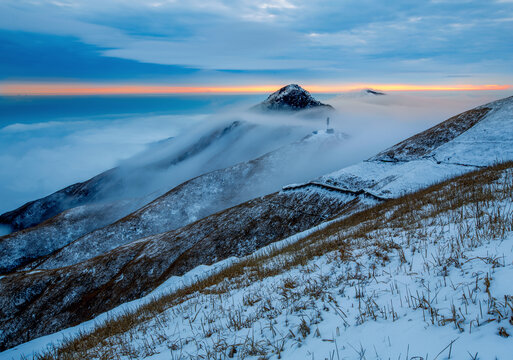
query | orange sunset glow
(54,89)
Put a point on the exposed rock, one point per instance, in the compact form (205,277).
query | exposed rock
(291,98)
(373,92)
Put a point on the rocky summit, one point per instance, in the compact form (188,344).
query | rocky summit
(291,98)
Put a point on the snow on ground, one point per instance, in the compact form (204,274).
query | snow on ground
(174,283)
(391,180)
(379,323)
(424,302)
(428,282)
(489,141)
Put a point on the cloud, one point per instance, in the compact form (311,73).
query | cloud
(39,158)
(42,157)
(322,39)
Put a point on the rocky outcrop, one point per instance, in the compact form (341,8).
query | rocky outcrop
(291,98)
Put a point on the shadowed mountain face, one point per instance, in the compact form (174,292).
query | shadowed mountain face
(115,183)
(49,300)
(71,236)
(291,98)
(108,185)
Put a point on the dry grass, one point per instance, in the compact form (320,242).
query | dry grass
(460,200)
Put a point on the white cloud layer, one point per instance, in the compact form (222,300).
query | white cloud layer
(40,158)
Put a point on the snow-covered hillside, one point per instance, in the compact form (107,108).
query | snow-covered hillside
(217,144)
(425,276)
(133,270)
(203,196)
(49,300)
(473,139)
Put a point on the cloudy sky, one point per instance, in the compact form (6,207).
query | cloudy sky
(245,42)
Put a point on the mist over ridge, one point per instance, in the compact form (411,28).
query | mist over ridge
(41,157)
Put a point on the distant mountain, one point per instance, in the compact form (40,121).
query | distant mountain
(71,236)
(162,166)
(373,92)
(291,98)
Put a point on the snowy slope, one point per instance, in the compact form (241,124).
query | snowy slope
(418,278)
(473,139)
(172,284)
(49,300)
(205,195)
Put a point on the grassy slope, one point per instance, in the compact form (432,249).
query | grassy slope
(36,303)
(445,239)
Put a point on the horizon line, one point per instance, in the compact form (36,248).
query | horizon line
(78,89)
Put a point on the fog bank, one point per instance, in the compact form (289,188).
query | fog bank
(40,158)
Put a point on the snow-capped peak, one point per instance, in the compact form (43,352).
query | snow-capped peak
(291,97)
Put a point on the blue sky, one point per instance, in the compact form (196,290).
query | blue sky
(268,41)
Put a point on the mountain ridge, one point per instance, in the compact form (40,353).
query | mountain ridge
(188,202)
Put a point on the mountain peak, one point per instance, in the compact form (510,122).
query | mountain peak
(372,92)
(291,98)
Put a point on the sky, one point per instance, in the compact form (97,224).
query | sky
(253,46)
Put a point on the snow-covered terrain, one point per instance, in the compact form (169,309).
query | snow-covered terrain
(50,300)
(205,195)
(172,284)
(133,270)
(473,139)
(426,276)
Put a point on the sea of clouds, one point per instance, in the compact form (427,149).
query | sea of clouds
(40,158)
